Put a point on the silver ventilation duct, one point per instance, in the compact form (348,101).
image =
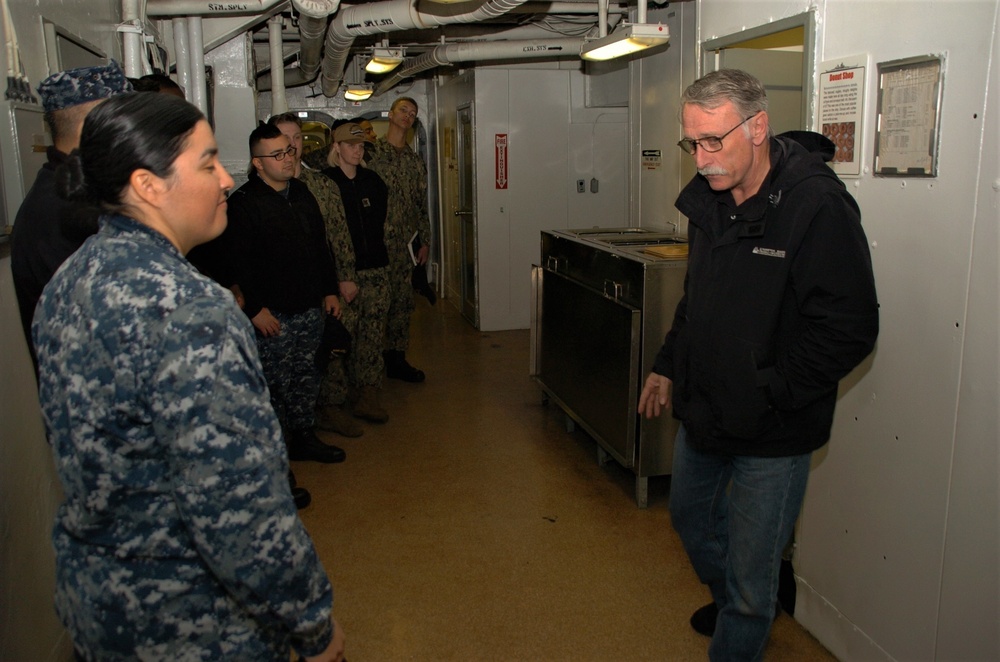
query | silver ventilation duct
(481,51)
(392,16)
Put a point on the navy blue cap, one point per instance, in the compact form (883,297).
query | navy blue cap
(71,88)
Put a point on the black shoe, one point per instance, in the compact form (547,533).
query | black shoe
(302,497)
(703,620)
(396,367)
(305,446)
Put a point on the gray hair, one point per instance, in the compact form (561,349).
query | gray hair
(712,90)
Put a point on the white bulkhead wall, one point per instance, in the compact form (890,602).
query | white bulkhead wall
(553,141)
(898,544)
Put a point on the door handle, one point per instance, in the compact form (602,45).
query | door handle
(463,213)
(554,263)
(615,289)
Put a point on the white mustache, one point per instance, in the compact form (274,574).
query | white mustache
(712,170)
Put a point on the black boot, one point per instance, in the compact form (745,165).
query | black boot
(304,446)
(396,367)
(300,495)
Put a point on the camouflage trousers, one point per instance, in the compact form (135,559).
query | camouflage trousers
(401,304)
(364,319)
(289,362)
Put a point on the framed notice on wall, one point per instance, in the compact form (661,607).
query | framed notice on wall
(909,115)
(841,111)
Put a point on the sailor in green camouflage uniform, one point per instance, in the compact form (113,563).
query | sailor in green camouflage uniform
(404,173)
(178,537)
(356,235)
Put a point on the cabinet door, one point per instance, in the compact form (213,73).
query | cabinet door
(588,360)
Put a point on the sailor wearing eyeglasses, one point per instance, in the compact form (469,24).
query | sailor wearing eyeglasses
(282,263)
(779,304)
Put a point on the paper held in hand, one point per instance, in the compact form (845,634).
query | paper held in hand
(414,245)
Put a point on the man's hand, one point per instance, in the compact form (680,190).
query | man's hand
(655,395)
(266,323)
(238,293)
(348,290)
(335,651)
(422,254)
(331,305)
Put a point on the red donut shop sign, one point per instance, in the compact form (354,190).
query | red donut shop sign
(500,160)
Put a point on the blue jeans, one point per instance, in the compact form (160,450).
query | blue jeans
(734,514)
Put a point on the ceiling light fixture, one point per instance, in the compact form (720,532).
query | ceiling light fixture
(358,91)
(384,60)
(630,38)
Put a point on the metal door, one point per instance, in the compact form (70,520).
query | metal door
(587,359)
(467,214)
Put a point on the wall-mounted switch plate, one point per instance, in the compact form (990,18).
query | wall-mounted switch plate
(581,186)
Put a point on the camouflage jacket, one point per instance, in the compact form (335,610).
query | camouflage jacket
(178,537)
(338,232)
(404,173)
(338,235)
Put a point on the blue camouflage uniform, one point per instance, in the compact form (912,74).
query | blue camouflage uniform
(282,262)
(178,538)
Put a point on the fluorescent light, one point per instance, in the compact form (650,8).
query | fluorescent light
(629,39)
(358,92)
(384,60)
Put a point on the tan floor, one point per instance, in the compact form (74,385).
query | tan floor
(473,526)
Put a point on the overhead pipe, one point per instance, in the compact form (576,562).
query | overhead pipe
(481,51)
(640,14)
(452,33)
(481,31)
(210,8)
(313,16)
(279,104)
(532,7)
(392,16)
(199,92)
(182,54)
(316,8)
(132,39)
(506,28)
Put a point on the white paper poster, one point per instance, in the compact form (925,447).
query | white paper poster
(841,111)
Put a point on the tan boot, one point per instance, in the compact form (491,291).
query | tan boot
(368,408)
(335,419)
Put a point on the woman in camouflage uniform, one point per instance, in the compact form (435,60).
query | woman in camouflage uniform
(178,537)
(363,266)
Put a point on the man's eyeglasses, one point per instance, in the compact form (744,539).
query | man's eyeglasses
(709,143)
(280,156)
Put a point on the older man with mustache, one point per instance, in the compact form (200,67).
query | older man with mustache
(779,304)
